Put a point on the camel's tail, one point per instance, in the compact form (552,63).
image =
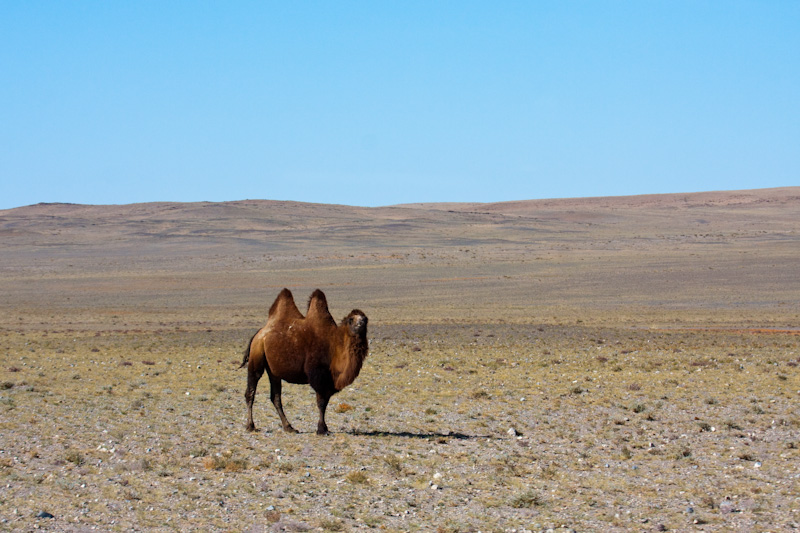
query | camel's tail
(247,350)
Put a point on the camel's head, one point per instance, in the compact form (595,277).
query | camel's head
(356,323)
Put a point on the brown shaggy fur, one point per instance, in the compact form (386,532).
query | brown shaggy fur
(310,349)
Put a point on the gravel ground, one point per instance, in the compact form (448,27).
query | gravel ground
(449,428)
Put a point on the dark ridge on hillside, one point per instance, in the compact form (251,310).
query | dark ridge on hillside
(780,196)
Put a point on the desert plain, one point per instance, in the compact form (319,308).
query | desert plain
(598,364)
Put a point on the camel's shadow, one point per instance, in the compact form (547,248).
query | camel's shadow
(413,435)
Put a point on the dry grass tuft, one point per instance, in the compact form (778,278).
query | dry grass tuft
(357,477)
(394,463)
(75,457)
(332,524)
(225,464)
(527,500)
(344,408)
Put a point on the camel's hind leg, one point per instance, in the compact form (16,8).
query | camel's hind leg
(253,375)
(275,396)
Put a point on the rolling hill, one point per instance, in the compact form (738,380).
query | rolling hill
(707,257)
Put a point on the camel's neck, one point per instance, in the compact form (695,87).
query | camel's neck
(349,355)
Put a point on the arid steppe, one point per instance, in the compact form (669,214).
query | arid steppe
(600,364)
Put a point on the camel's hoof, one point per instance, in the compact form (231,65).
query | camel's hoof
(251,427)
(323,431)
(290,429)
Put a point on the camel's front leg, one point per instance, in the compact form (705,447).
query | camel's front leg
(322,405)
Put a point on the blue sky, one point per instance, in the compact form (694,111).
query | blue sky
(377,103)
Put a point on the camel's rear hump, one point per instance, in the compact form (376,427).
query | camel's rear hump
(318,309)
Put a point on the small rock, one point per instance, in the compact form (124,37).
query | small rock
(690,510)
(44,514)
(512,432)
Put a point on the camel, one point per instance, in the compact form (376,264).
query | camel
(310,350)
